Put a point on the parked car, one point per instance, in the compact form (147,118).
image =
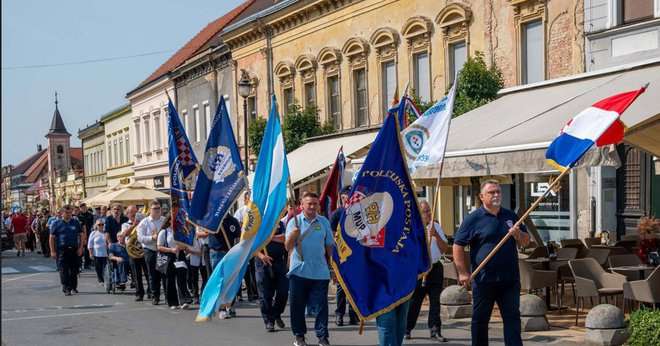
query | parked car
(7,240)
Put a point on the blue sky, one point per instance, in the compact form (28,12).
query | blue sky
(44,32)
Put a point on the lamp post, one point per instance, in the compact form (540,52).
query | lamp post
(244,87)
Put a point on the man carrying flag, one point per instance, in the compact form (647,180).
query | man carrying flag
(495,274)
(265,210)
(381,248)
(183,164)
(330,194)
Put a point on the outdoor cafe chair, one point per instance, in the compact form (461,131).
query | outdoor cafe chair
(625,260)
(533,279)
(599,254)
(591,242)
(646,291)
(591,280)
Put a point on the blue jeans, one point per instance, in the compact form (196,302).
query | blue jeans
(121,271)
(507,296)
(301,291)
(216,257)
(391,325)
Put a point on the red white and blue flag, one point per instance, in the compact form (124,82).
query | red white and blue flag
(330,194)
(597,125)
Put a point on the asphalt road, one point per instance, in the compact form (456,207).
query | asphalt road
(35,311)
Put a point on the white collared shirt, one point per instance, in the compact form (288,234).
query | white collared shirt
(435,249)
(146,229)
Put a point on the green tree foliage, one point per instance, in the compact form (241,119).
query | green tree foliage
(477,84)
(256,134)
(644,328)
(301,123)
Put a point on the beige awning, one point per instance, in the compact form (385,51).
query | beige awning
(132,193)
(316,156)
(510,135)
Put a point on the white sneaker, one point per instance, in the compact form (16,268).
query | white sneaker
(224,315)
(174,307)
(185,306)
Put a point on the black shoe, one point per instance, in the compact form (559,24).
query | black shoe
(139,299)
(407,336)
(270,327)
(300,341)
(132,284)
(67,293)
(155,302)
(438,337)
(279,322)
(75,290)
(353,323)
(149,296)
(39,252)
(339,320)
(324,342)
(18,253)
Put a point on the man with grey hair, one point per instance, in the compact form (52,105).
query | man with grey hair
(499,280)
(113,223)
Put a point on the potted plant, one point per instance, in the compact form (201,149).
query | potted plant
(647,228)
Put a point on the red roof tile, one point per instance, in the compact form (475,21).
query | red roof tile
(196,42)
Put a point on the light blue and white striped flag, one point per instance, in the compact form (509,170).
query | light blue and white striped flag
(265,210)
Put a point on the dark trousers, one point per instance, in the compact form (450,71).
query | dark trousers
(43,239)
(31,243)
(87,261)
(171,294)
(250,282)
(341,305)
(182,281)
(196,271)
(155,277)
(99,264)
(433,288)
(273,287)
(507,296)
(139,268)
(67,261)
(301,290)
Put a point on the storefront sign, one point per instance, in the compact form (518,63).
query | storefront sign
(159,181)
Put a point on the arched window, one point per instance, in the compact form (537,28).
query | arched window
(454,21)
(60,149)
(285,72)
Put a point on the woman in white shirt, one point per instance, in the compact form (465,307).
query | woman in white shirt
(175,276)
(198,264)
(98,250)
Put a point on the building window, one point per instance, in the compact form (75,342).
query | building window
(288,100)
(360,87)
(422,76)
(635,10)
(186,123)
(128,150)
(198,125)
(110,155)
(532,52)
(310,94)
(207,118)
(334,104)
(120,153)
(157,143)
(388,84)
(60,149)
(457,58)
(252,107)
(116,152)
(137,139)
(147,142)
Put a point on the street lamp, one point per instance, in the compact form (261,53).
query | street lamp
(244,87)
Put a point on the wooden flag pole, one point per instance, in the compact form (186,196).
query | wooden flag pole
(522,218)
(435,206)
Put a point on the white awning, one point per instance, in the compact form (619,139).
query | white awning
(317,155)
(510,134)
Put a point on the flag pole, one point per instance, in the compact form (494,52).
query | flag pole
(435,206)
(522,218)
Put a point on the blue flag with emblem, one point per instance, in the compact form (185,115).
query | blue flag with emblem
(183,164)
(381,248)
(264,213)
(221,178)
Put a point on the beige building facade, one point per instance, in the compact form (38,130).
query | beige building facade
(94,159)
(117,143)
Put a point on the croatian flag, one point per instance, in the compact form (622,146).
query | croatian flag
(597,125)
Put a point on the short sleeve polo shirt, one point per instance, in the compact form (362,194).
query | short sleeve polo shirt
(313,264)
(66,233)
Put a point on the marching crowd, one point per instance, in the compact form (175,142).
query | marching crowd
(79,239)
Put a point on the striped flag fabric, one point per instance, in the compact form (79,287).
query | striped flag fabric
(330,193)
(597,125)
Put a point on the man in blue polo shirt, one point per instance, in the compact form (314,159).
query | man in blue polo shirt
(499,280)
(310,243)
(66,245)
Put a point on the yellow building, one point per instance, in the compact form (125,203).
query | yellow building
(117,145)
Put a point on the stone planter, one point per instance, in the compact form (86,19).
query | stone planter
(605,326)
(532,313)
(455,303)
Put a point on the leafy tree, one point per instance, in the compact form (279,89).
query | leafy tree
(477,84)
(256,134)
(301,123)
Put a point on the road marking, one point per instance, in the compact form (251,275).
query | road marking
(43,268)
(20,277)
(9,270)
(72,314)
